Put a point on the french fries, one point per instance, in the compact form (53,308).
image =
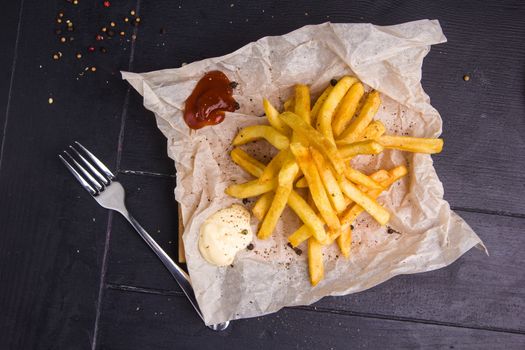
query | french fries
(318,140)
(273,118)
(285,181)
(304,159)
(326,113)
(373,131)
(251,188)
(371,206)
(272,169)
(329,181)
(301,183)
(412,144)
(344,241)
(251,165)
(261,206)
(320,102)
(360,178)
(361,147)
(315,261)
(257,132)
(337,193)
(355,130)
(307,215)
(347,108)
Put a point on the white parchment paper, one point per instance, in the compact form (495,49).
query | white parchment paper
(426,234)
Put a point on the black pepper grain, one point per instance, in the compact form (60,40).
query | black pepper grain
(234,84)
(333,82)
(237,106)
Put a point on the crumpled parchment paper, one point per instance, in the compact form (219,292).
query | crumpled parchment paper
(425,234)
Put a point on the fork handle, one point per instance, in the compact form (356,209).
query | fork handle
(182,278)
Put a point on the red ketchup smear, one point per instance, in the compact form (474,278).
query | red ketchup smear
(212,96)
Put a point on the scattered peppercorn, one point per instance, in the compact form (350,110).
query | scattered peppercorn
(234,84)
(333,82)
(351,227)
(298,251)
(250,246)
(237,106)
(245,201)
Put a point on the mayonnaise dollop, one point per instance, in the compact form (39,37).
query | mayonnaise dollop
(225,233)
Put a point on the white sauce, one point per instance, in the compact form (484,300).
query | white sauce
(225,233)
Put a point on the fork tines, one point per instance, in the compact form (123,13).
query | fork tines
(96,177)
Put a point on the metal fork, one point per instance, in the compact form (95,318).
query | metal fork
(100,182)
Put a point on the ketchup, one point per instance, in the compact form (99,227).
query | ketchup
(212,96)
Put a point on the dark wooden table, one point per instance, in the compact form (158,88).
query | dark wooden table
(74,276)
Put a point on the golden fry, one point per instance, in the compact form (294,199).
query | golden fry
(302,102)
(300,235)
(315,138)
(391,176)
(355,130)
(285,181)
(370,205)
(347,108)
(261,206)
(248,163)
(320,101)
(344,241)
(273,118)
(373,131)
(307,215)
(412,144)
(304,159)
(257,132)
(329,181)
(251,188)
(361,147)
(385,178)
(315,261)
(277,162)
(326,113)
(360,178)
(289,104)
(301,183)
